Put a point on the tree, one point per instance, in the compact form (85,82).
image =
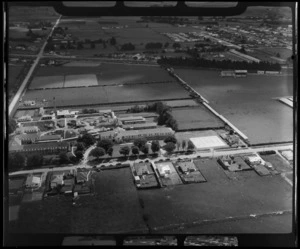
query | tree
(170,147)
(145,150)
(63,158)
(278,55)
(97,152)
(166,45)
(12,125)
(80,146)
(78,154)
(170,139)
(200,18)
(183,144)
(140,142)
(87,139)
(16,161)
(34,160)
(124,150)
(110,151)
(135,150)
(113,41)
(155,146)
(104,44)
(93,45)
(191,146)
(106,144)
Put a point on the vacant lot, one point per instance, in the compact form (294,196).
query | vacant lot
(248,102)
(195,118)
(277,162)
(217,199)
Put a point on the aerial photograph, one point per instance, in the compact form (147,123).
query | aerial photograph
(149,124)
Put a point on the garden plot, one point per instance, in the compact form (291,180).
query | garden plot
(47,82)
(81,80)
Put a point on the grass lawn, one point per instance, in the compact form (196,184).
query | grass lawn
(195,118)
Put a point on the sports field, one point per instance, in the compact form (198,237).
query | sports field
(109,94)
(249,103)
(195,118)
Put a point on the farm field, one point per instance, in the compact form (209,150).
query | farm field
(108,94)
(47,82)
(110,74)
(195,118)
(248,102)
(80,80)
(216,199)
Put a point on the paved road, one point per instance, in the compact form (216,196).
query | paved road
(192,156)
(24,83)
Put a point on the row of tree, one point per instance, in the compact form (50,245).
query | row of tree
(224,64)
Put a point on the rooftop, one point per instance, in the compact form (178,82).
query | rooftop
(50,137)
(142,168)
(150,124)
(147,131)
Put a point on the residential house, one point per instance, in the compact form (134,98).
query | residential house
(186,167)
(56,180)
(82,175)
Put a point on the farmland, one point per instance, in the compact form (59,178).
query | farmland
(109,74)
(195,118)
(108,94)
(249,103)
(47,82)
(277,162)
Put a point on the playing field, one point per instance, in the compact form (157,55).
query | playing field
(195,118)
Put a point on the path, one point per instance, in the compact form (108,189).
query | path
(24,83)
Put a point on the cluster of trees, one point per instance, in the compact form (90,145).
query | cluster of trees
(208,48)
(165,113)
(224,64)
(86,111)
(171,144)
(127,47)
(104,147)
(140,145)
